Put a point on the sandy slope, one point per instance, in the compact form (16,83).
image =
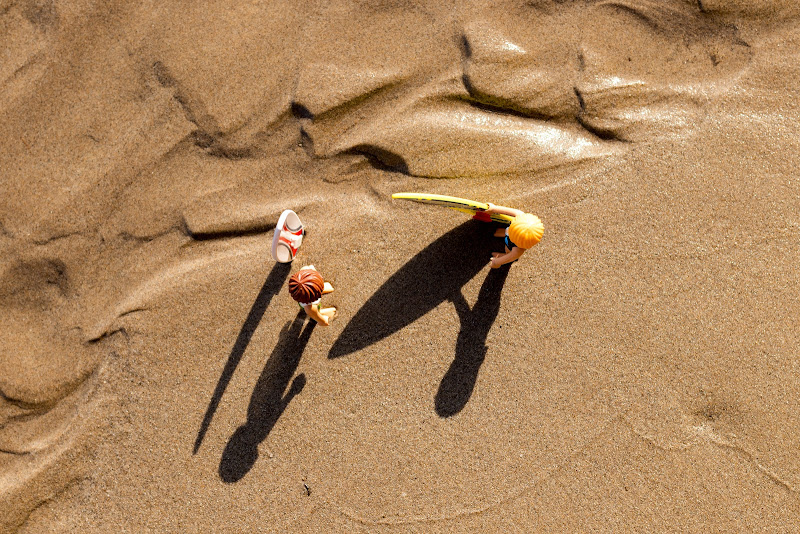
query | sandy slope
(636,371)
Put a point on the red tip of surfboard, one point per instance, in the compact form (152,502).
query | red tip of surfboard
(482,216)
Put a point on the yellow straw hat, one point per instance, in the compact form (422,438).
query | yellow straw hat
(526,230)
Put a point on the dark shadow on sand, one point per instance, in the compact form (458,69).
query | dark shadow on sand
(459,381)
(271,287)
(268,401)
(434,275)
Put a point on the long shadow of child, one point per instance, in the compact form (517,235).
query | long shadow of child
(271,287)
(268,401)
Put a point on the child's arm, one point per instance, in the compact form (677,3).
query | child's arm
(513,212)
(313,312)
(502,259)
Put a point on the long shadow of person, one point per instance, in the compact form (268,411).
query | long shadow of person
(459,381)
(268,401)
(434,275)
(272,285)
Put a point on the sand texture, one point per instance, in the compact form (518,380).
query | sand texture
(637,371)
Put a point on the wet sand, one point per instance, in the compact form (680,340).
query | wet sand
(635,371)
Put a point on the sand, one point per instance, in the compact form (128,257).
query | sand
(636,371)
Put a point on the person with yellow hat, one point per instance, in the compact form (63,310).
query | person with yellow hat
(524,232)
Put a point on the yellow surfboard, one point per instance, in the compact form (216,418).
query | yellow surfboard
(477,209)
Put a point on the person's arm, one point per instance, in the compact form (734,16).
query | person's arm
(502,210)
(502,259)
(313,312)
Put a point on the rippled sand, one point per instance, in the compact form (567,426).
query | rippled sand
(636,371)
